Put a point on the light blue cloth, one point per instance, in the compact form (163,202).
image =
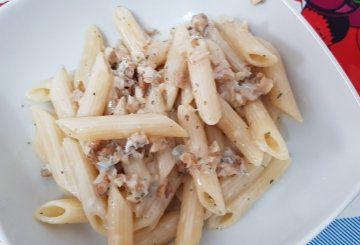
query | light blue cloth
(342,231)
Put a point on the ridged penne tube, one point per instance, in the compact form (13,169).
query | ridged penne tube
(213,133)
(222,70)
(237,64)
(233,185)
(245,44)
(205,178)
(264,130)
(191,216)
(238,133)
(39,148)
(281,94)
(202,81)
(155,102)
(136,166)
(274,112)
(85,174)
(166,163)
(62,211)
(119,127)
(187,95)
(132,34)
(93,44)
(156,52)
(40,93)
(96,94)
(51,139)
(153,213)
(61,94)
(120,108)
(175,66)
(248,196)
(119,219)
(164,231)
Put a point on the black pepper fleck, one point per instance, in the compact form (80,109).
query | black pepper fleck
(271,181)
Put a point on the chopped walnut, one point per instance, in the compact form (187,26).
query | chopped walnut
(199,23)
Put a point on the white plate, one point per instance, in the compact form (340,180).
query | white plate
(38,36)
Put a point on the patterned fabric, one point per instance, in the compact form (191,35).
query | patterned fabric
(338,24)
(341,231)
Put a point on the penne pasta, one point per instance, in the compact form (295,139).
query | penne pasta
(238,133)
(162,233)
(191,216)
(248,196)
(119,219)
(237,64)
(97,90)
(93,45)
(222,71)
(156,209)
(245,44)
(85,173)
(119,127)
(155,102)
(133,36)
(40,93)
(187,95)
(166,163)
(62,211)
(61,94)
(50,138)
(202,81)
(205,178)
(214,134)
(274,112)
(175,66)
(281,94)
(120,108)
(156,52)
(264,130)
(39,148)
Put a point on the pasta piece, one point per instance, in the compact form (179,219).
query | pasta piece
(100,83)
(213,134)
(61,95)
(175,66)
(39,148)
(62,211)
(206,181)
(248,196)
(137,167)
(222,71)
(120,108)
(281,94)
(202,81)
(237,64)
(191,216)
(156,52)
(40,93)
(51,137)
(264,130)
(233,185)
(133,36)
(238,133)
(162,233)
(153,213)
(274,112)
(119,127)
(187,95)
(119,218)
(166,163)
(155,102)
(93,45)
(85,174)
(245,44)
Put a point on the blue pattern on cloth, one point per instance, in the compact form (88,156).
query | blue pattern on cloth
(343,231)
